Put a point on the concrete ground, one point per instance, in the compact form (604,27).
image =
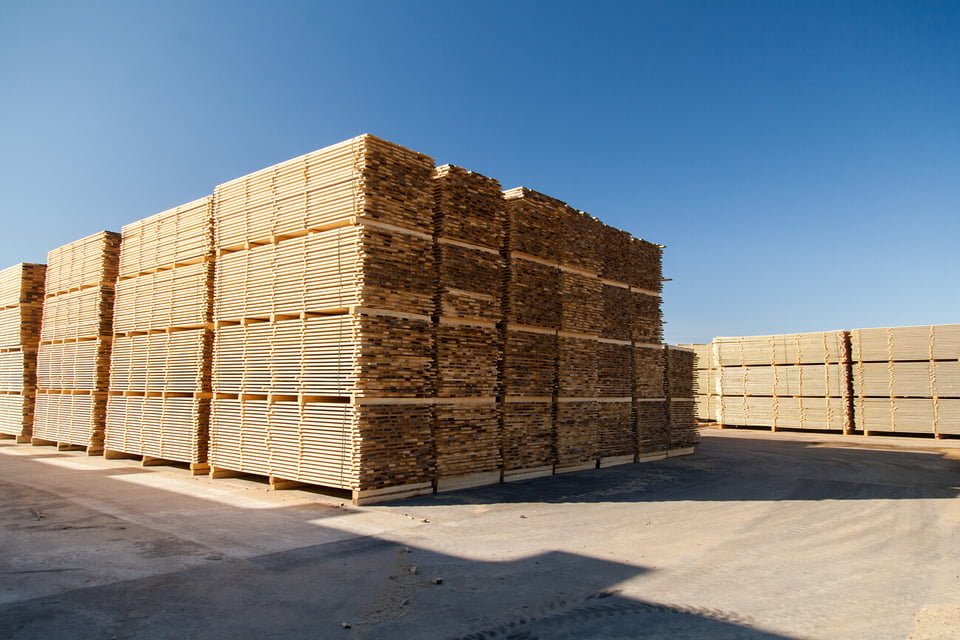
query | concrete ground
(758,535)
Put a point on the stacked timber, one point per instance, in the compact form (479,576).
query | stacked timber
(792,381)
(73,360)
(705,379)
(590,293)
(532,312)
(681,388)
(21,309)
(324,358)
(907,379)
(468,225)
(159,400)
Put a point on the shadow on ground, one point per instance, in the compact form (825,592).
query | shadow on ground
(737,469)
(100,574)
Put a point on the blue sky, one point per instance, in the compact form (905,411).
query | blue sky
(800,160)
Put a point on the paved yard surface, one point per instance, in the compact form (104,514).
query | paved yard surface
(758,535)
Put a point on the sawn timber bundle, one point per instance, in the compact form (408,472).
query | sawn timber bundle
(159,400)
(21,310)
(73,361)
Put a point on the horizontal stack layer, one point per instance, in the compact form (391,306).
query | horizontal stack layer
(73,361)
(21,310)
(163,425)
(787,349)
(784,413)
(799,380)
(907,379)
(158,405)
(364,177)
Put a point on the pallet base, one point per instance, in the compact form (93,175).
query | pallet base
(220,472)
(111,454)
(453,483)
(23,439)
(373,496)
(613,461)
(686,451)
(515,475)
(652,456)
(574,467)
(279,484)
(199,468)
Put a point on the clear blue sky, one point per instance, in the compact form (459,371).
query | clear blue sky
(800,160)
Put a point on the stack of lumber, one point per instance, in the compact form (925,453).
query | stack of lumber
(705,374)
(324,360)
(468,226)
(21,308)
(73,360)
(158,405)
(907,379)
(791,381)
(650,399)
(532,313)
(681,388)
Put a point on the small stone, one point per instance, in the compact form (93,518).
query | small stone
(437,581)
(425,520)
(413,570)
(523,516)
(406,549)
(345,625)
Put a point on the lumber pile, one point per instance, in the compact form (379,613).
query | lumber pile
(907,379)
(73,360)
(791,381)
(360,319)
(324,360)
(159,400)
(468,217)
(705,375)
(889,379)
(21,309)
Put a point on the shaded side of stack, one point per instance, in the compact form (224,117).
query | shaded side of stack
(324,292)
(73,360)
(468,228)
(159,397)
(907,379)
(531,312)
(791,381)
(21,310)
(681,389)
(589,293)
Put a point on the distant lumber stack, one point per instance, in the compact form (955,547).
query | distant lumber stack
(907,379)
(159,401)
(73,361)
(793,381)
(902,380)
(21,309)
